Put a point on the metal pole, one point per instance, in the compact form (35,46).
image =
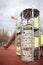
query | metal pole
(39,38)
(33,31)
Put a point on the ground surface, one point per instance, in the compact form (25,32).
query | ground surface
(8,57)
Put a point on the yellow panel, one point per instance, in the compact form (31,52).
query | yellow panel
(29,25)
(18,53)
(18,25)
(41,39)
(18,48)
(36,23)
(36,42)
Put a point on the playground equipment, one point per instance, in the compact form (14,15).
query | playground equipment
(30,38)
(27,35)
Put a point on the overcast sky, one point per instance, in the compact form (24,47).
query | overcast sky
(14,7)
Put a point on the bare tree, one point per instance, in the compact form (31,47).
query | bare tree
(4,37)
